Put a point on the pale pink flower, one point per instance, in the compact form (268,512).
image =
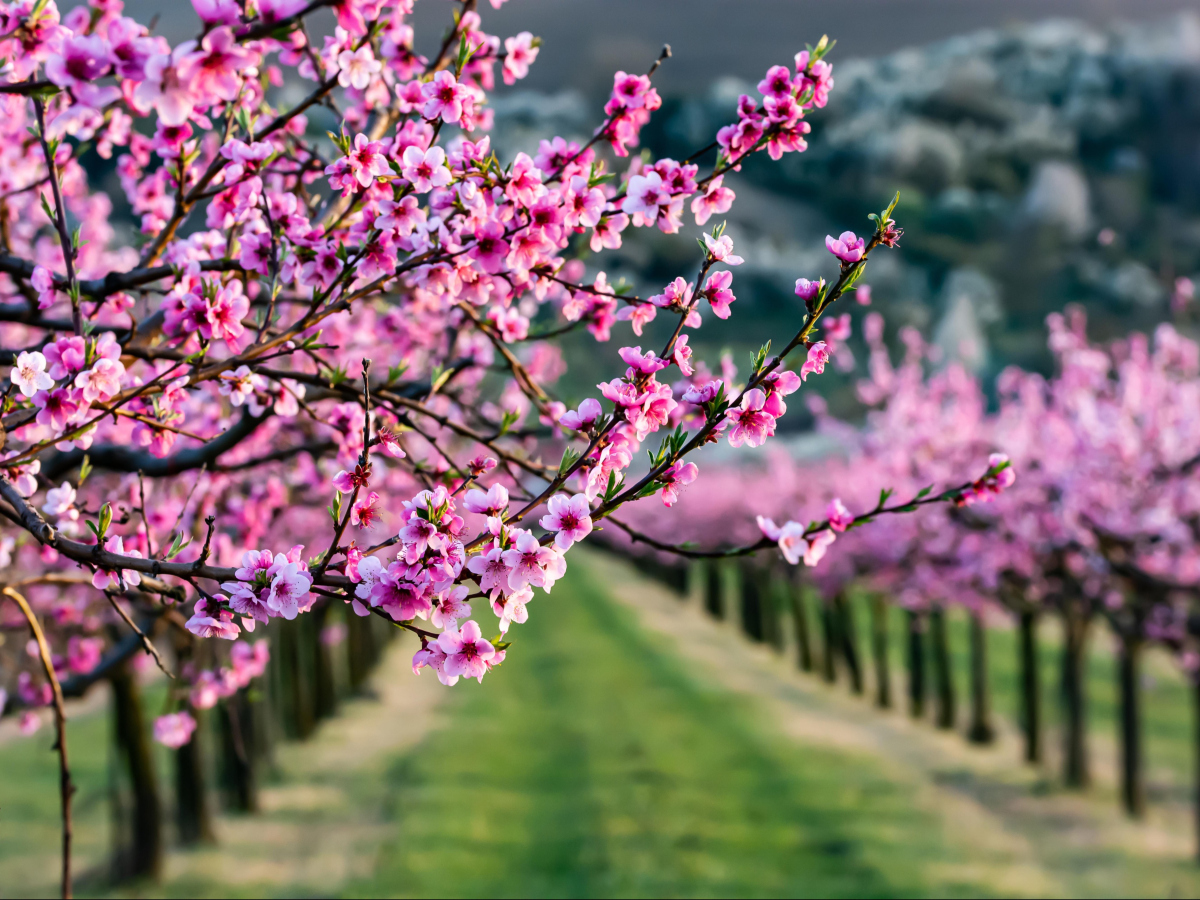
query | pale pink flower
(425,169)
(792,543)
(645,195)
(102,381)
(817,545)
(103,579)
(288,588)
(569,517)
(492,502)
(29,373)
(646,363)
(451,608)
(721,250)
(519,54)
(167,87)
(356,68)
(527,560)
(218,12)
(492,571)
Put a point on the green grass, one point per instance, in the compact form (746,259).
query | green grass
(592,764)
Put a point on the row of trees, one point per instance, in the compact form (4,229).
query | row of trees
(1102,523)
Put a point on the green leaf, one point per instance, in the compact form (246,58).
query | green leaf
(924,492)
(178,543)
(85,469)
(105,520)
(569,458)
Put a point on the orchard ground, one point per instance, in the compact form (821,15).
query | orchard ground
(632,746)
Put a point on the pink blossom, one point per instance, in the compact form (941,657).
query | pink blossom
(645,196)
(678,476)
(645,363)
(104,579)
(28,375)
(102,382)
(167,87)
(818,356)
(288,588)
(492,570)
(174,729)
(451,608)
(839,517)
(466,651)
(527,561)
(809,290)
(584,417)
(444,97)
(214,70)
(848,247)
(218,12)
(717,292)
(569,517)
(519,54)
(818,544)
(492,502)
(356,68)
(721,250)
(425,169)
(751,425)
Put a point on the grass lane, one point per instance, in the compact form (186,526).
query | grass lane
(592,763)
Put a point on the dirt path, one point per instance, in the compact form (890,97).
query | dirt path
(1010,819)
(323,818)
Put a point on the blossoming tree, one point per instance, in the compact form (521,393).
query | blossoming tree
(322,333)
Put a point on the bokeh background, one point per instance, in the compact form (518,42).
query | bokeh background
(1046,152)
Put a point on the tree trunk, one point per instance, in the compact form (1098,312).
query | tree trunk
(1133,783)
(144,856)
(849,640)
(916,666)
(804,655)
(1031,687)
(981,730)
(769,581)
(829,641)
(879,650)
(1074,694)
(239,755)
(325,700)
(752,603)
(359,650)
(943,670)
(714,594)
(297,681)
(193,812)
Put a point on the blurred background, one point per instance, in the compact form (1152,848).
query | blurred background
(1046,152)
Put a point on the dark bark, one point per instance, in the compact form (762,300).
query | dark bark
(714,592)
(296,679)
(193,812)
(360,650)
(804,653)
(879,651)
(752,603)
(239,755)
(980,730)
(1031,687)
(916,666)
(829,640)
(769,582)
(325,700)
(1133,780)
(943,670)
(848,636)
(1076,772)
(1196,751)
(142,856)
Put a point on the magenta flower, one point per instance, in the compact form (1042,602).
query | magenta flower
(839,517)
(569,517)
(848,248)
(444,97)
(717,292)
(83,60)
(676,478)
(645,363)
(808,290)
(777,83)
(577,420)
(215,69)
(681,353)
(818,356)
(288,588)
(167,87)
(751,425)
(466,651)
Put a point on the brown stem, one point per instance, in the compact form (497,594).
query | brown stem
(65,788)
